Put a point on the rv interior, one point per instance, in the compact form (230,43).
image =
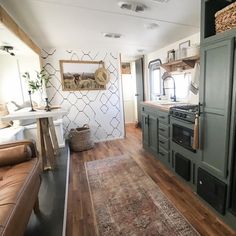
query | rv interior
(117,117)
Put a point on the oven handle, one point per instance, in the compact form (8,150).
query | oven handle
(184,121)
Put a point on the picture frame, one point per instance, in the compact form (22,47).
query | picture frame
(170,55)
(80,75)
(125,68)
(183,48)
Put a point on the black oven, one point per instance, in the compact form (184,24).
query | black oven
(183,136)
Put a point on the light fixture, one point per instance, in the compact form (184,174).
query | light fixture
(132,6)
(151,26)
(140,50)
(112,35)
(160,1)
(7,49)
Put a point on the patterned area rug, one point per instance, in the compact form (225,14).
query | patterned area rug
(128,202)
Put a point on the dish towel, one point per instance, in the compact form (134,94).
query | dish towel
(194,85)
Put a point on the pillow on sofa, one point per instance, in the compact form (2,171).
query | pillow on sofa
(4,112)
(15,155)
(14,107)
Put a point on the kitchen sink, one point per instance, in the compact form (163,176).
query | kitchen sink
(166,102)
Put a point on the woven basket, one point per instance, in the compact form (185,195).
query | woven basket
(225,19)
(80,139)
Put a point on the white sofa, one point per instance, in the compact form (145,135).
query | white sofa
(11,134)
(30,132)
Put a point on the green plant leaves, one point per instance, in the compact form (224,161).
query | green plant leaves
(42,78)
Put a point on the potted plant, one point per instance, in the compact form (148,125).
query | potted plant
(38,84)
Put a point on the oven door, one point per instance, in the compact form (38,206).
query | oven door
(183,136)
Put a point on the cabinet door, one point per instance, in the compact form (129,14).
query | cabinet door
(145,130)
(153,133)
(215,96)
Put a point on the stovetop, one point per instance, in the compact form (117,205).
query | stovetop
(184,112)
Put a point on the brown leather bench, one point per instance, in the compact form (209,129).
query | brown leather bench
(19,185)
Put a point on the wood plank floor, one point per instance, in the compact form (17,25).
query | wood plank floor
(80,215)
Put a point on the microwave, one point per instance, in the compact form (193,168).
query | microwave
(183,136)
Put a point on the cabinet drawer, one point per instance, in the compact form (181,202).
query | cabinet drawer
(163,155)
(150,110)
(164,130)
(163,117)
(164,143)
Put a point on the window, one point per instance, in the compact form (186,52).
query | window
(182,82)
(155,80)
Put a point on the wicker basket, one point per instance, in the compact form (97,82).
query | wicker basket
(80,139)
(225,19)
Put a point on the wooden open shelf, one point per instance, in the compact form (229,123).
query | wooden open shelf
(183,63)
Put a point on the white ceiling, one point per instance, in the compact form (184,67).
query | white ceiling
(79,23)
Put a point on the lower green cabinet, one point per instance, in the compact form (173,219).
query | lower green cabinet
(155,130)
(163,156)
(149,130)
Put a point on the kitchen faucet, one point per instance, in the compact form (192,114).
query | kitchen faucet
(165,76)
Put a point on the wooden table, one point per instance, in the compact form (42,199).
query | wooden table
(47,143)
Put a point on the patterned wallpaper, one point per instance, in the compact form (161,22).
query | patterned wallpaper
(100,109)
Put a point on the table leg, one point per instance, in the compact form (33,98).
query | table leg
(48,142)
(53,135)
(40,144)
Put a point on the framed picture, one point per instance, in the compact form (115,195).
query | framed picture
(80,75)
(171,55)
(183,48)
(125,68)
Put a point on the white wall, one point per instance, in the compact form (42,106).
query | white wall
(102,110)
(162,54)
(12,86)
(31,64)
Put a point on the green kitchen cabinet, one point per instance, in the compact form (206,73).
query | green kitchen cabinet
(145,130)
(215,99)
(155,132)
(150,129)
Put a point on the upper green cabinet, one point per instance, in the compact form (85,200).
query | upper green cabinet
(208,11)
(215,98)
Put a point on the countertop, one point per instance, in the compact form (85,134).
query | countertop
(163,107)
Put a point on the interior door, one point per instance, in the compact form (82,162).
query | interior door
(139,87)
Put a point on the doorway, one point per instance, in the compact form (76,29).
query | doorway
(132,86)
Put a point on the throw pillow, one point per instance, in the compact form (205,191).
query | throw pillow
(4,112)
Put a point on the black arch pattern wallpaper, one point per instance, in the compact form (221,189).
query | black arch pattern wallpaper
(100,109)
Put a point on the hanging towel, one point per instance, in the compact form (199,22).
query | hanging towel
(194,86)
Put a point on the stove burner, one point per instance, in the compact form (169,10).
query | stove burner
(184,112)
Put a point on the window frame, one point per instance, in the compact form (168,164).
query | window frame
(154,65)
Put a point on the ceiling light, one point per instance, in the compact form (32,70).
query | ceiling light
(7,49)
(160,1)
(151,26)
(140,50)
(112,35)
(132,6)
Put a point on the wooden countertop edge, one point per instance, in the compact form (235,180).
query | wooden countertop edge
(161,107)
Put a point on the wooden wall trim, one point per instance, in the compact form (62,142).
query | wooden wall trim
(7,20)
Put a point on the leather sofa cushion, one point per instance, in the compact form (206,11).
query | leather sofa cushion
(15,155)
(18,183)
